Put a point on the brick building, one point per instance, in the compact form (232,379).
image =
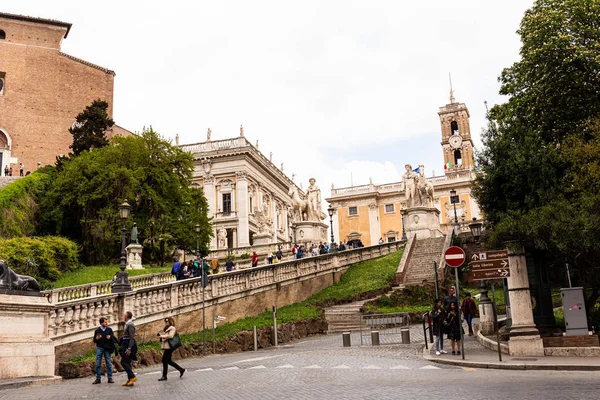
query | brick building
(42,90)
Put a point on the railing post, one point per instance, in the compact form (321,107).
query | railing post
(174,295)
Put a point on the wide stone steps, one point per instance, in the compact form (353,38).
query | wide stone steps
(425,253)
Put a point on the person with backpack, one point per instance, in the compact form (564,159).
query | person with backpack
(166,339)
(105,341)
(175,268)
(229,265)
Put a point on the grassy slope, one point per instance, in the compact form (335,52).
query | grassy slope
(360,278)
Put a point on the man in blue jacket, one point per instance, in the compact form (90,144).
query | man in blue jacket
(105,345)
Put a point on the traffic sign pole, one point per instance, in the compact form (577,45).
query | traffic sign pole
(460,322)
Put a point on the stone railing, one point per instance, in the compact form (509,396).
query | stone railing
(215,145)
(76,311)
(388,187)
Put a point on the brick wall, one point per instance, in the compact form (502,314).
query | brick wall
(44,91)
(571,341)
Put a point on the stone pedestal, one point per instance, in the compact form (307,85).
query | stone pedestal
(486,318)
(134,256)
(310,232)
(25,348)
(261,238)
(524,338)
(422,221)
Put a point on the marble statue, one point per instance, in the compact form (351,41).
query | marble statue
(313,196)
(299,206)
(134,234)
(410,187)
(241,130)
(10,280)
(221,238)
(425,188)
(260,216)
(208,134)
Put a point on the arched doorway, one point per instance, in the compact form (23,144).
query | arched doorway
(4,150)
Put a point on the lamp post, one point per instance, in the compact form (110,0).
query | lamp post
(203,284)
(453,200)
(475,227)
(331,210)
(121,281)
(402,213)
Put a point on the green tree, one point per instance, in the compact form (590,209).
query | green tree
(147,171)
(90,127)
(539,166)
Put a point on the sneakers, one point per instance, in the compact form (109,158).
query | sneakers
(443,351)
(97,381)
(437,353)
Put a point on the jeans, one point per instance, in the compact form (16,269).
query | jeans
(99,353)
(439,339)
(469,319)
(167,360)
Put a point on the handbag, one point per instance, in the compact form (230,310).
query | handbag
(175,343)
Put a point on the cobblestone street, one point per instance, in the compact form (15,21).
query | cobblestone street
(319,368)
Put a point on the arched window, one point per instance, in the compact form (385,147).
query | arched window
(3,140)
(2,35)
(454,127)
(457,158)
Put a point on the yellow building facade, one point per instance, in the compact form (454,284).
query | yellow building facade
(371,213)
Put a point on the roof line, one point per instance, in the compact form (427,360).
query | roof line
(89,64)
(38,21)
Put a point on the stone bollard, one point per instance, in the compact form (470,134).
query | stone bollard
(346,339)
(486,318)
(375,338)
(405,335)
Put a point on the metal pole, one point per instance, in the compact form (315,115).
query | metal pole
(496,322)
(455,217)
(275,326)
(568,274)
(437,288)
(462,342)
(203,314)
(214,334)
(255,339)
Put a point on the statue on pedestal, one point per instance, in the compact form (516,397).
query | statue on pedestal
(313,196)
(425,189)
(134,234)
(10,280)
(410,185)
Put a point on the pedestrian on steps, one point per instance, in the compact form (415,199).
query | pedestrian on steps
(169,332)
(438,315)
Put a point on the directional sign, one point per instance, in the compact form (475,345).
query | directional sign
(490,265)
(454,256)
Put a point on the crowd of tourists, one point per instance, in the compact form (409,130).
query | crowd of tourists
(446,320)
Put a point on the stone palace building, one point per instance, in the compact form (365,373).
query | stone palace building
(42,90)
(370,212)
(249,197)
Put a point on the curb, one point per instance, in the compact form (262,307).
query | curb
(23,382)
(510,366)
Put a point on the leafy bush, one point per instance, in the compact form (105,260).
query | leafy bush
(18,202)
(244,256)
(44,258)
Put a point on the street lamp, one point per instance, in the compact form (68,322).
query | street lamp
(331,210)
(453,200)
(121,281)
(197,240)
(402,213)
(475,227)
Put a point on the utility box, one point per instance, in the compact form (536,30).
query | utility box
(574,310)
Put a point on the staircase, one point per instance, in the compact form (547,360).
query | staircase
(344,318)
(7,180)
(420,266)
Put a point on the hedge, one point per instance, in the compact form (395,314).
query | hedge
(44,257)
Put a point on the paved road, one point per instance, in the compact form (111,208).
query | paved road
(319,368)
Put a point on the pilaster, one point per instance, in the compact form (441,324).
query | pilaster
(242,207)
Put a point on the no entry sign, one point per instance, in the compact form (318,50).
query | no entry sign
(455,256)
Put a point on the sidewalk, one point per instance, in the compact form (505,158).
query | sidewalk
(477,356)
(22,382)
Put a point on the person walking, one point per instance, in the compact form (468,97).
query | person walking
(229,265)
(469,310)
(128,348)
(214,265)
(169,332)
(105,345)
(10,171)
(279,254)
(254,259)
(438,315)
(451,298)
(270,258)
(21,169)
(453,327)
(6,170)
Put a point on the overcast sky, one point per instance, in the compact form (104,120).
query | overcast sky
(332,88)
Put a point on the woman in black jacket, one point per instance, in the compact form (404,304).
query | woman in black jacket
(438,314)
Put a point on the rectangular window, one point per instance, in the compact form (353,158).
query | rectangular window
(389,208)
(352,211)
(226,203)
(392,239)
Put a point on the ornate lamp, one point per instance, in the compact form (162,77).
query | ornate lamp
(331,211)
(121,281)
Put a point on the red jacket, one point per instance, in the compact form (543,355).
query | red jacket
(470,303)
(254,258)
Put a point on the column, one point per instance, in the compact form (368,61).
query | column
(241,189)
(234,233)
(274,218)
(209,193)
(524,337)
(375,226)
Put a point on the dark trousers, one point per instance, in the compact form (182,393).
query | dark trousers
(469,319)
(126,363)
(167,360)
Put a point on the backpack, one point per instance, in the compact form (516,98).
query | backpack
(175,268)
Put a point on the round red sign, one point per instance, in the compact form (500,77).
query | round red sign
(455,256)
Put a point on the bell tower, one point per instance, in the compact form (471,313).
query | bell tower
(456,136)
